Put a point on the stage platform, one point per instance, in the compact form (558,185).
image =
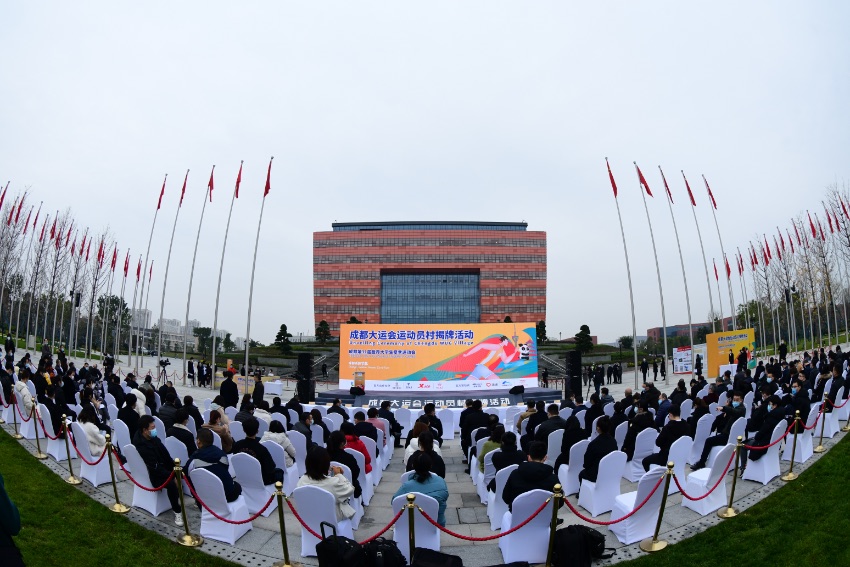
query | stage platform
(454,398)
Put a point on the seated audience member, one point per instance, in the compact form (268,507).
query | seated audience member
(261,411)
(372,417)
(302,426)
(252,446)
(277,407)
(113,386)
(700,409)
(661,413)
(602,445)
(643,420)
(712,396)
(128,414)
(800,400)
(159,462)
(426,482)
(619,416)
(194,412)
(606,398)
(775,416)
(97,442)
(219,404)
(426,445)
(730,413)
(277,434)
(213,459)
(670,433)
(434,422)
(336,450)
(181,431)
(352,441)
(530,410)
(573,433)
(410,445)
(552,424)
(87,400)
(474,419)
(509,455)
(168,410)
(395,427)
(493,442)
(317,465)
(221,429)
(246,410)
(53,409)
(365,429)
(316,415)
(595,410)
(531,475)
(680,394)
(336,407)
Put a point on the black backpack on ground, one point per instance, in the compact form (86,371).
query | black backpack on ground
(334,550)
(578,546)
(595,542)
(423,557)
(382,552)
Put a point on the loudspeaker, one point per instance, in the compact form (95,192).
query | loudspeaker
(305,365)
(356,391)
(516,390)
(573,365)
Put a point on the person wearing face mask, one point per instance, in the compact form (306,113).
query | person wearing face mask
(731,412)
(759,410)
(775,415)
(159,462)
(800,400)
(769,381)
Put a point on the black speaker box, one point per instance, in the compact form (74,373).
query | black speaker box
(357,391)
(305,364)
(516,390)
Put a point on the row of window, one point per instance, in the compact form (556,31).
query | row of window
(514,308)
(345,309)
(361,243)
(514,292)
(344,292)
(353,227)
(485,275)
(432,258)
(359,292)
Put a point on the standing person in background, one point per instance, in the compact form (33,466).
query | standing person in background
(190,371)
(229,391)
(644,368)
(259,390)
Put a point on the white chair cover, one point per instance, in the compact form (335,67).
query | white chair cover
(767,467)
(386,451)
(620,434)
(293,416)
(644,447)
(531,542)
(300,443)
(608,409)
(250,476)
(831,425)
(598,497)
(805,446)
(356,503)
(679,452)
(230,412)
(496,507)
(155,503)
(290,474)
(593,433)
(686,409)
(748,404)
(699,482)
(207,403)
(160,428)
(642,524)
(566,413)
(403,417)
(178,450)
(446,416)
(262,429)
(26,428)
(97,474)
(427,535)
(6,412)
(405,476)
(318,435)
(210,490)
(364,479)
(737,431)
(703,431)
(113,413)
(554,449)
(568,474)
(55,447)
(315,506)
(237,432)
(216,439)
(334,421)
(377,470)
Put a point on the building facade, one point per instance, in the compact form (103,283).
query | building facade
(429,272)
(683,330)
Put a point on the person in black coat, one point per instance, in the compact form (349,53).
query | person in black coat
(597,449)
(473,420)
(158,461)
(336,407)
(194,412)
(336,450)
(573,433)
(434,423)
(229,391)
(800,401)
(619,416)
(680,394)
(775,416)
(259,390)
(670,433)
(552,424)
(426,446)
(595,410)
(837,384)
(113,386)
(127,414)
(49,401)
(251,446)
(168,411)
(643,420)
(181,432)
(531,475)
(509,455)
(395,426)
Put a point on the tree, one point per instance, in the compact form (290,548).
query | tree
(626,342)
(281,340)
(584,343)
(354,321)
(700,335)
(204,335)
(228,344)
(541,332)
(323,332)
(255,344)
(508,319)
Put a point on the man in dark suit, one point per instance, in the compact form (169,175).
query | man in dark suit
(670,433)
(194,412)
(181,432)
(837,384)
(643,420)
(595,410)
(113,386)
(229,391)
(800,400)
(49,401)
(731,412)
(474,419)
(259,390)
(553,423)
(602,445)
(434,423)
(385,413)
(363,427)
(336,407)
(530,475)
(775,415)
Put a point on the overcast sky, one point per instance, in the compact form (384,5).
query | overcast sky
(378,111)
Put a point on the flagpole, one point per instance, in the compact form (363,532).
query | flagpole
(253,268)
(57,239)
(723,252)
(104,331)
(165,278)
(628,274)
(119,314)
(147,297)
(719,297)
(134,314)
(741,276)
(36,271)
(192,273)
(702,249)
(757,292)
(63,282)
(147,254)
(220,271)
(6,258)
(25,268)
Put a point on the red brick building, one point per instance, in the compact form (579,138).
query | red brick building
(429,272)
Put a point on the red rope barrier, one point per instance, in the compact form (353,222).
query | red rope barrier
(133,480)
(46,434)
(787,431)
(301,521)
(23,419)
(95,463)
(713,488)
(815,424)
(486,538)
(835,406)
(225,520)
(618,520)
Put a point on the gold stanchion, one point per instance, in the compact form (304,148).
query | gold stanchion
(118,508)
(15,418)
(791,475)
(285,563)
(187,539)
(411,508)
(653,544)
(556,499)
(38,454)
(820,448)
(71,479)
(729,511)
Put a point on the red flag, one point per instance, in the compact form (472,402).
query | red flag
(3,196)
(74,246)
(268,179)
(715,270)
(150,273)
(43,226)
(778,251)
(669,194)
(781,239)
(611,177)
(790,240)
(765,257)
(211,184)
(754,260)
(728,269)
(35,222)
(642,180)
(83,243)
(12,212)
(88,249)
(53,228)
(68,238)
(740,265)
(100,252)
(710,194)
(114,257)
(183,191)
(20,206)
(126,263)
(767,247)
(797,232)
(27,223)
(139,270)
(812,226)
(688,187)
(820,226)
(161,192)
(239,178)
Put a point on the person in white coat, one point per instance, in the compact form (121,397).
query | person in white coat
(277,434)
(97,442)
(319,473)
(23,394)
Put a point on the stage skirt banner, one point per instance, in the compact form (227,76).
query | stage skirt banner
(438,357)
(682,360)
(720,344)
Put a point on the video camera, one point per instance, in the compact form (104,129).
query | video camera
(164,362)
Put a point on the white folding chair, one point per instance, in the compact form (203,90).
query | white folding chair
(6,409)
(608,409)
(113,413)
(96,474)
(701,481)
(55,447)
(26,428)
(748,404)
(237,432)
(805,446)
(230,412)
(496,507)
(481,485)
(210,490)
(207,403)
(703,431)
(293,416)
(377,471)
(686,409)
(554,446)
(447,417)
(290,474)
(160,427)
(641,525)
(405,476)
(386,450)
(250,476)
(473,462)
(568,473)
(737,431)
(205,415)
(678,455)
(318,435)
(216,439)
(530,542)
(178,450)
(598,497)
(593,433)
(334,421)
(831,427)
(317,506)
(566,413)
(364,479)
(644,447)
(155,503)
(191,426)
(427,535)
(403,417)
(766,468)
(299,442)
(620,434)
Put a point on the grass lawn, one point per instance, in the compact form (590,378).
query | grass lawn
(63,526)
(805,523)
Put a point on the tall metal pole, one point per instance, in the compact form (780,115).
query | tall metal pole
(719,297)
(682,262)
(165,278)
(104,331)
(723,253)
(741,277)
(35,282)
(702,249)
(210,186)
(147,297)
(119,314)
(221,270)
(147,255)
(134,314)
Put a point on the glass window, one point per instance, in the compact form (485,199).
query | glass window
(430,298)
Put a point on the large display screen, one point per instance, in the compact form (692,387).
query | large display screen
(438,357)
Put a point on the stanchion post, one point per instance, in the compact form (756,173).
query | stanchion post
(556,500)
(791,475)
(188,539)
(411,508)
(820,448)
(729,511)
(15,418)
(653,544)
(285,563)
(846,427)
(118,508)
(38,454)
(71,479)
